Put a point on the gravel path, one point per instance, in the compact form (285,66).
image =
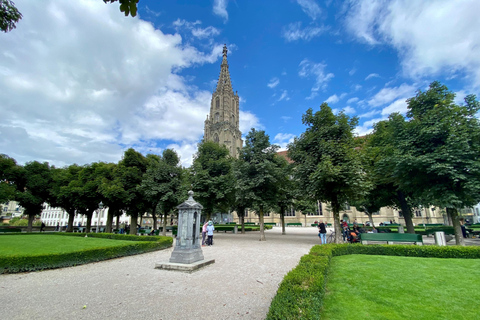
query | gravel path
(240,284)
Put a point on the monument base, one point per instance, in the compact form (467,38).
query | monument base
(184,267)
(186,255)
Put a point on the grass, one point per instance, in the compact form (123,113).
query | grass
(388,287)
(37,244)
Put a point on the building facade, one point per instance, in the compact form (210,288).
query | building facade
(222,124)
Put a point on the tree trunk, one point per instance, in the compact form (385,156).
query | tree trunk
(165,218)
(31,217)
(71,216)
(336,219)
(370,217)
(119,212)
(452,212)
(89,216)
(282,221)
(242,222)
(406,211)
(133,224)
(109,220)
(260,220)
(154,217)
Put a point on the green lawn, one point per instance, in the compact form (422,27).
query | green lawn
(36,244)
(388,287)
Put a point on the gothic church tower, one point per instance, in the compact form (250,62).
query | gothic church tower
(222,126)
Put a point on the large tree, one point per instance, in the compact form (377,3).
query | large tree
(34,190)
(9,175)
(439,155)
(131,170)
(257,175)
(212,178)
(327,163)
(162,185)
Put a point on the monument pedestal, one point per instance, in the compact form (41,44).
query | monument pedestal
(185,267)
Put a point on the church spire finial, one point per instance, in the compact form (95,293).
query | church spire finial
(225,50)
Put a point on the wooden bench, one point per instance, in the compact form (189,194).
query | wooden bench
(391,237)
(294,224)
(5,230)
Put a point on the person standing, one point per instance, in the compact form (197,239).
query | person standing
(210,229)
(322,232)
(42,227)
(204,232)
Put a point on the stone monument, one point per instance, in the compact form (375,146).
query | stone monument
(187,254)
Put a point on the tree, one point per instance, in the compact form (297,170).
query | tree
(126,6)
(327,164)
(257,174)
(212,178)
(63,193)
(35,190)
(9,15)
(287,191)
(162,185)
(9,174)
(131,170)
(439,155)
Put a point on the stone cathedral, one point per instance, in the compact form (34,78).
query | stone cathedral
(222,125)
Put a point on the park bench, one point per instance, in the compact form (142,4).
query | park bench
(391,237)
(270,224)
(6,230)
(294,224)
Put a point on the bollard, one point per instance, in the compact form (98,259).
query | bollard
(440,238)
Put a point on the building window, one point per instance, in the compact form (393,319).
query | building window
(347,206)
(418,213)
(217,117)
(376,213)
(246,213)
(290,213)
(319,208)
(266,214)
(217,103)
(215,138)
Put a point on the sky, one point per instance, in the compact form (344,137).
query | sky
(81,83)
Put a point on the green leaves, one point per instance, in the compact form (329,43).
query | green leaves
(9,15)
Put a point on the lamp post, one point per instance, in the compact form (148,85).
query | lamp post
(100,206)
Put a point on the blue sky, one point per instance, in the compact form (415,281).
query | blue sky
(79,82)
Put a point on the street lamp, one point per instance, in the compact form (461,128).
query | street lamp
(100,206)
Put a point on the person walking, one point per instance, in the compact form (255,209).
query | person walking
(204,232)
(210,229)
(322,232)
(42,227)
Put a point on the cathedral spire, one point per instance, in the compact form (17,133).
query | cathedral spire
(224,83)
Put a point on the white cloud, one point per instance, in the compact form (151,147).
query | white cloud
(273,83)
(205,32)
(284,96)
(283,139)
(308,68)
(399,105)
(372,75)
(294,32)
(220,9)
(334,98)
(186,151)
(352,72)
(285,118)
(352,100)
(369,114)
(80,83)
(248,121)
(387,95)
(311,8)
(431,37)
(349,110)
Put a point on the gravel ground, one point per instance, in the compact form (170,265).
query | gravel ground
(240,284)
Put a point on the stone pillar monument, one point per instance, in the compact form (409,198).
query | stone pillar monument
(187,254)
(188,248)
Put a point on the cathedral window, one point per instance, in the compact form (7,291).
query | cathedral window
(217,103)
(215,138)
(217,117)
(233,118)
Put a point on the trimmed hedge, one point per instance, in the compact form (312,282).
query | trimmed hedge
(300,295)
(14,264)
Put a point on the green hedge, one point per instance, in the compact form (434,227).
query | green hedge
(300,295)
(143,244)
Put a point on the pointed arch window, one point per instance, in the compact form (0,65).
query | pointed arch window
(217,103)
(215,138)
(217,117)
(233,118)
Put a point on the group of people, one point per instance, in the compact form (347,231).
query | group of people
(207,231)
(348,234)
